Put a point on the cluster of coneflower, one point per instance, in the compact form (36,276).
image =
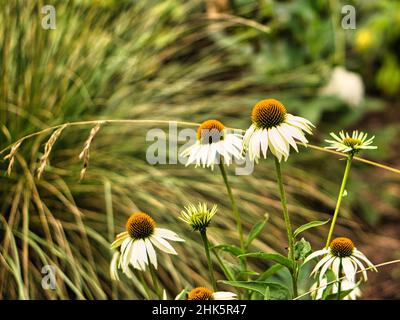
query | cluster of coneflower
(275,130)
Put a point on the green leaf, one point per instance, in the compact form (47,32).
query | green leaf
(232,269)
(225,266)
(343,294)
(276,257)
(269,272)
(301,249)
(256,230)
(276,290)
(309,225)
(236,251)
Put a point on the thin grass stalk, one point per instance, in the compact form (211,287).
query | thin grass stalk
(288,224)
(339,200)
(236,213)
(206,245)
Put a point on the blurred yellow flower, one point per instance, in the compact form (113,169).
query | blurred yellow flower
(364,39)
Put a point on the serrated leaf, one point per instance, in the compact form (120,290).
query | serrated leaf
(276,290)
(236,251)
(301,249)
(275,257)
(309,225)
(255,231)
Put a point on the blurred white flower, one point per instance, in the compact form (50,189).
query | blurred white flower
(346,85)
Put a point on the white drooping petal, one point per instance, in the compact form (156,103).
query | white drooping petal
(287,136)
(141,253)
(315,254)
(255,144)
(119,239)
(248,134)
(167,234)
(151,252)
(264,142)
(126,256)
(361,256)
(348,268)
(275,152)
(325,267)
(362,268)
(277,141)
(224,295)
(321,263)
(193,154)
(162,244)
(336,267)
(291,120)
(204,156)
(318,288)
(133,258)
(124,246)
(114,266)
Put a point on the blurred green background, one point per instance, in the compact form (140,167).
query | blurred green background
(188,60)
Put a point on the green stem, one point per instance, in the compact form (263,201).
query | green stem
(206,244)
(339,201)
(288,225)
(227,272)
(340,281)
(145,286)
(236,213)
(155,282)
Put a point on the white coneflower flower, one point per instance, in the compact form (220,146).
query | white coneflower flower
(342,254)
(350,144)
(275,129)
(198,217)
(214,142)
(138,241)
(346,85)
(347,285)
(202,293)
